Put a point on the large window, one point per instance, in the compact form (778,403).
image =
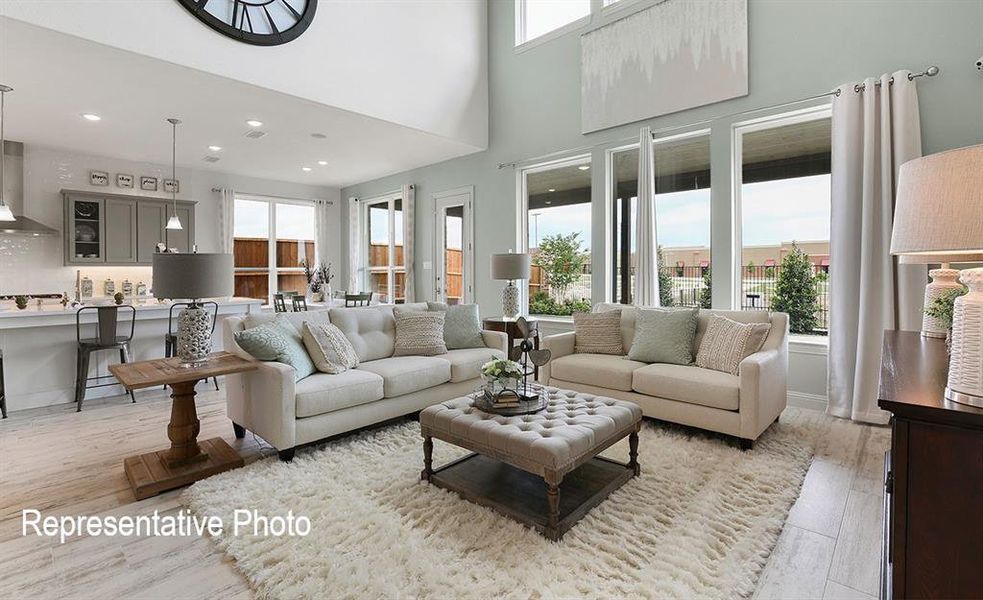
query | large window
(558,224)
(386,267)
(682,209)
(271,232)
(783,197)
(535,18)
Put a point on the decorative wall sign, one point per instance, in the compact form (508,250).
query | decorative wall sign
(670,57)
(100,178)
(257,22)
(172,186)
(148,184)
(123,180)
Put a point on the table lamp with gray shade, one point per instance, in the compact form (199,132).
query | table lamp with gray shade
(510,267)
(938,218)
(193,277)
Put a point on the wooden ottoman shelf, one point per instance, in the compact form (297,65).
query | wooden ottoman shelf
(542,470)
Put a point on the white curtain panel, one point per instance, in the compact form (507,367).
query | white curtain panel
(875,129)
(354,246)
(646,288)
(409,220)
(226,220)
(322,229)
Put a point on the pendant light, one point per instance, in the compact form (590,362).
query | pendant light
(5,213)
(174,222)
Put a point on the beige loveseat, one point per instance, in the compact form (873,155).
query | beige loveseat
(742,405)
(288,414)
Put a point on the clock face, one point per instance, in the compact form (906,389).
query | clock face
(258,22)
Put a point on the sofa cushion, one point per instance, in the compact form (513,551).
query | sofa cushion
(419,333)
(328,347)
(280,341)
(598,333)
(664,335)
(466,362)
(323,393)
(408,374)
(741,316)
(370,329)
(601,370)
(689,384)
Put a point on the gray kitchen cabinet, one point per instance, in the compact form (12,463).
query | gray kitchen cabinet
(117,229)
(151,218)
(121,231)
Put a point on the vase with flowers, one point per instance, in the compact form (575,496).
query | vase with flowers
(501,377)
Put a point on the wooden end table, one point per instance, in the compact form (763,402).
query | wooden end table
(509,328)
(187,460)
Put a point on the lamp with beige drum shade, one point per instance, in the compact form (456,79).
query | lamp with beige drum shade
(938,218)
(510,267)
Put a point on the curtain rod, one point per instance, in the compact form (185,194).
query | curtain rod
(931,71)
(330,202)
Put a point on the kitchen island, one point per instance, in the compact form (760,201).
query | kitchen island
(38,345)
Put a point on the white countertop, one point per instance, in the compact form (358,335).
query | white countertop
(54,314)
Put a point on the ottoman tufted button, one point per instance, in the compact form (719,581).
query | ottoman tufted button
(609,402)
(571,422)
(571,394)
(545,434)
(592,412)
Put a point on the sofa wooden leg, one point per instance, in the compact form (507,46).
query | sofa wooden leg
(286,455)
(746,444)
(239,430)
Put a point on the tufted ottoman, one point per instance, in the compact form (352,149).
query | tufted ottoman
(514,456)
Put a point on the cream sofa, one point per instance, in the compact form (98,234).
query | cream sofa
(288,414)
(742,405)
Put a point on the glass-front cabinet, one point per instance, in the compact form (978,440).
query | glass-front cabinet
(116,229)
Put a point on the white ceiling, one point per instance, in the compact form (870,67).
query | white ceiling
(56,77)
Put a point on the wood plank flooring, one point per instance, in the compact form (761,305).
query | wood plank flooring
(67,463)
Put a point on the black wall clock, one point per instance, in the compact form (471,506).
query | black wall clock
(257,22)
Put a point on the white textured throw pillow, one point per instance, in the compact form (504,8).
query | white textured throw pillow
(419,333)
(726,343)
(328,347)
(598,333)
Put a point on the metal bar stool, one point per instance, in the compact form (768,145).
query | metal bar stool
(3,394)
(107,338)
(299,303)
(170,340)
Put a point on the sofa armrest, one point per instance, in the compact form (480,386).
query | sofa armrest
(496,340)
(560,344)
(764,390)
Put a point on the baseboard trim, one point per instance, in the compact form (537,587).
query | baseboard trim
(809,401)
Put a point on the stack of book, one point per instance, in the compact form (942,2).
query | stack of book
(504,400)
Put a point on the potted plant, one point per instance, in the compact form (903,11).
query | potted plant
(324,276)
(21,302)
(942,308)
(501,375)
(313,284)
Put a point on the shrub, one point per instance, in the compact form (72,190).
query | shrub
(706,294)
(795,292)
(665,281)
(542,304)
(561,259)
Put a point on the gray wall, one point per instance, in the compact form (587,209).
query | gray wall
(797,49)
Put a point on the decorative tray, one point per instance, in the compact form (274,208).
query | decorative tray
(483,403)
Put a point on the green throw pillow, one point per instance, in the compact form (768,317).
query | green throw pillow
(664,335)
(278,341)
(462,326)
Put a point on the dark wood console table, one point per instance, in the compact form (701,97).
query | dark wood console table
(933,501)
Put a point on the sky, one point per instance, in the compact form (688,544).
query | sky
(293,221)
(772,212)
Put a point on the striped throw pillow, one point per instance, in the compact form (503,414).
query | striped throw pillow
(726,343)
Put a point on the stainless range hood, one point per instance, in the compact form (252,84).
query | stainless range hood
(13,183)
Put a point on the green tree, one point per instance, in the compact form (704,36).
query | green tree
(795,292)
(665,281)
(706,293)
(562,260)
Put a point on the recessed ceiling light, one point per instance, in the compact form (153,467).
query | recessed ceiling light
(551,190)
(91,117)
(305,168)
(583,167)
(549,202)
(322,162)
(215,148)
(254,123)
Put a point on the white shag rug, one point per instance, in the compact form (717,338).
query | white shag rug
(700,521)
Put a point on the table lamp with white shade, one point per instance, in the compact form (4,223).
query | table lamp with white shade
(193,277)
(510,267)
(938,218)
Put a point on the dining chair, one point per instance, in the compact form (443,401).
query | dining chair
(358,299)
(279,304)
(299,303)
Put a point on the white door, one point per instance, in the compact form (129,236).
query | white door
(454,246)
